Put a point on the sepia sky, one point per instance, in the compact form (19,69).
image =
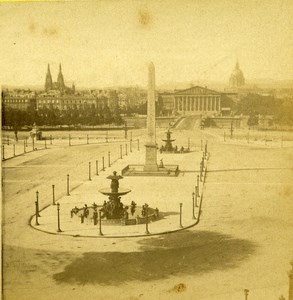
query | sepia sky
(107,43)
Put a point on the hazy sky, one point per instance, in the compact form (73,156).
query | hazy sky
(104,43)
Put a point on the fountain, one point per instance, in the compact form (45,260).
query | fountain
(113,212)
(114,209)
(168,143)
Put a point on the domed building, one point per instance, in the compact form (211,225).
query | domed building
(237,78)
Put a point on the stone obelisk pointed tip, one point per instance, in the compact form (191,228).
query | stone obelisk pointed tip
(151,66)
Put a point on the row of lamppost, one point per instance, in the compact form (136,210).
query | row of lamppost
(195,194)
(37,215)
(25,144)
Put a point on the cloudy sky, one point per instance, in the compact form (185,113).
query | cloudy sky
(106,43)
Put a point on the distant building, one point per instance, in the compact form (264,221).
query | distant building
(192,101)
(19,99)
(237,78)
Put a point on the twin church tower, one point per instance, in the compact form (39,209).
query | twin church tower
(59,85)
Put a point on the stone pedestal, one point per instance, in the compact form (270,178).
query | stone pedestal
(150,158)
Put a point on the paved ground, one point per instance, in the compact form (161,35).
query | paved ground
(244,238)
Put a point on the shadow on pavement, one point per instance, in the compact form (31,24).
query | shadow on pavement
(185,252)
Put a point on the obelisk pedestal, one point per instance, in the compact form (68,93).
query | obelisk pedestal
(151,146)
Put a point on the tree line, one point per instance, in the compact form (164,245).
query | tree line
(53,116)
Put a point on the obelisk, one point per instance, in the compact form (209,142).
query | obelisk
(151,146)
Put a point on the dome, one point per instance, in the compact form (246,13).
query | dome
(237,77)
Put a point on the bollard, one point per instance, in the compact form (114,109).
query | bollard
(125,149)
(100,224)
(90,171)
(131,135)
(37,222)
(53,194)
(224,136)
(50,139)
(24,150)
(45,143)
(58,217)
(3,158)
(26,141)
(13,149)
(109,159)
(138,144)
(87,139)
(37,197)
(130,146)
(121,152)
(103,160)
(69,140)
(193,197)
(33,143)
(8,140)
(198,183)
(97,167)
(147,219)
(181,216)
(68,185)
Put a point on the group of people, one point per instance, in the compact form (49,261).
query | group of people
(174,149)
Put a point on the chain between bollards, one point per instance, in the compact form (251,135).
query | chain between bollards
(58,217)
(68,194)
(53,194)
(180,224)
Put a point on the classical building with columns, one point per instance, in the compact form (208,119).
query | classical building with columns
(191,101)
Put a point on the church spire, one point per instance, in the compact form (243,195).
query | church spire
(48,82)
(60,79)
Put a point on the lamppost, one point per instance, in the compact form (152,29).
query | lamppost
(37,200)
(90,171)
(147,219)
(109,159)
(193,198)
(58,217)
(68,185)
(36,204)
(246,294)
(53,194)
(97,167)
(180,224)
(100,223)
